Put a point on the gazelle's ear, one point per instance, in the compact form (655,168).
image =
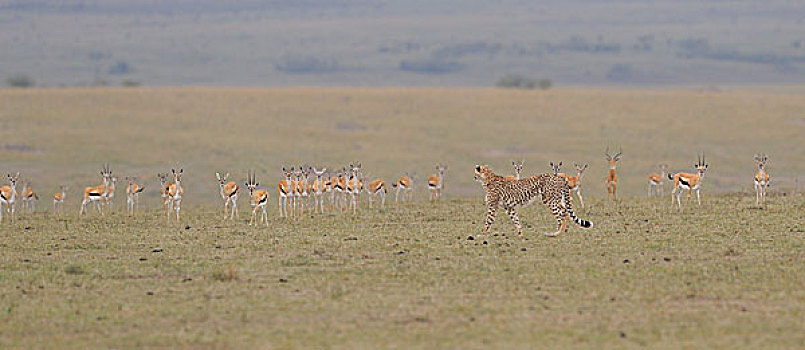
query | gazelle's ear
(181,171)
(173,171)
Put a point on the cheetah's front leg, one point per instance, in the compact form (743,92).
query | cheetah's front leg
(490,217)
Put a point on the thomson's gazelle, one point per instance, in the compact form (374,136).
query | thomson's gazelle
(229,194)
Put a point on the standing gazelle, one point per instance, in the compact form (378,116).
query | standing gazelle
(8,196)
(163,190)
(175,192)
(656,181)
(574,182)
(257,198)
(761,179)
(58,198)
(688,181)
(133,191)
(612,175)
(404,183)
(354,187)
(518,167)
(28,196)
(319,188)
(229,194)
(436,182)
(285,189)
(377,188)
(98,193)
(302,176)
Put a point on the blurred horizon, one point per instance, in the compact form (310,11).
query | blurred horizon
(412,43)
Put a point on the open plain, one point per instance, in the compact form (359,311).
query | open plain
(725,274)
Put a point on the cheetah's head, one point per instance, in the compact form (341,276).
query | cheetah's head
(480,173)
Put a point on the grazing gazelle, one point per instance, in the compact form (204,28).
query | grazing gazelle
(688,181)
(8,196)
(175,192)
(285,189)
(319,188)
(436,182)
(257,198)
(612,175)
(574,182)
(58,198)
(377,188)
(518,167)
(404,183)
(229,194)
(97,194)
(28,195)
(656,181)
(761,179)
(133,191)
(164,188)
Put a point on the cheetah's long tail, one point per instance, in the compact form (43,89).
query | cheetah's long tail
(580,222)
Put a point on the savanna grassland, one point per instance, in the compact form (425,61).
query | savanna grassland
(726,274)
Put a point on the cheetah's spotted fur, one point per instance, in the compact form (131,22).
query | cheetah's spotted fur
(511,193)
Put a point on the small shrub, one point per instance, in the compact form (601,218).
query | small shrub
(521,82)
(20,81)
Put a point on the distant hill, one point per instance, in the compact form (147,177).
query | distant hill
(381,43)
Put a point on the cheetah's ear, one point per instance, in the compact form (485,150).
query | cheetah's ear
(478,168)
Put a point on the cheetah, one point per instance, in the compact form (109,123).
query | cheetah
(511,193)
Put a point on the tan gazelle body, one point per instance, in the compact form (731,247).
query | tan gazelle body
(689,181)
(229,194)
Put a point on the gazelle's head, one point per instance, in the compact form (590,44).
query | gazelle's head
(518,167)
(251,182)
(556,167)
(761,160)
(12,180)
(288,173)
(613,158)
(63,188)
(319,173)
(113,180)
(580,168)
(306,172)
(221,179)
(663,168)
(130,181)
(441,169)
(163,179)
(177,176)
(701,165)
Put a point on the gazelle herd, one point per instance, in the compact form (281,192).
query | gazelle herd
(342,188)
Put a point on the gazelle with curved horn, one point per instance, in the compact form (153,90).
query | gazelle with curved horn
(656,181)
(8,196)
(229,194)
(257,198)
(761,179)
(98,193)
(612,175)
(689,181)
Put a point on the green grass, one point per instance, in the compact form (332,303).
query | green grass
(727,274)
